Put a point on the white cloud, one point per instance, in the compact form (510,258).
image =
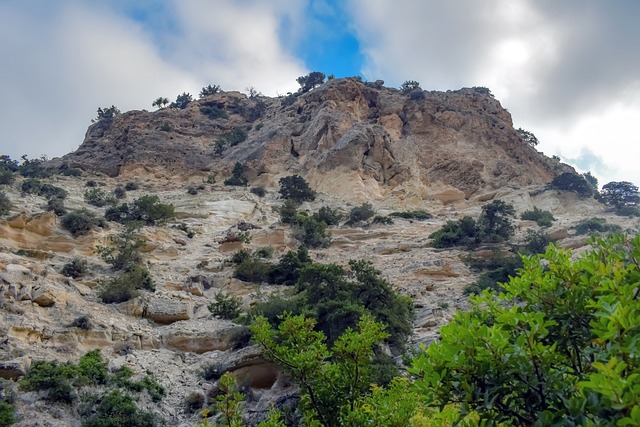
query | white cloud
(565,70)
(62,60)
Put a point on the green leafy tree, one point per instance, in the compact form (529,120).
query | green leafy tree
(331,381)
(182,101)
(620,194)
(209,90)
(124,250)
(495,223)
(310,81)
(527,137)
(361,213)
(237,177)
(296,188)
(107,113)
(409,86)
(557,346)
(5,204)
(160,102)
(569,181)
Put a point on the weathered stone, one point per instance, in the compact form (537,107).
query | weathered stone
(166,311)
(44,295)
(14,369)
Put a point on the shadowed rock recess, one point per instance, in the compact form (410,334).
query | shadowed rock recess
(443,155)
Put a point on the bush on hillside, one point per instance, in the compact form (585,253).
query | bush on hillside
(81,222)
(360,213)
(5,204)
(541,217)
(569,181)
(295,187)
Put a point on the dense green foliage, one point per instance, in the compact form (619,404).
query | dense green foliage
(493,225)
(527,137)
(123,251)
(126,285)
(619,194)
(7,414)
(81,222)
(418,215)
(117,409)
(107,113)
(237,176)
(77,267)
(182,101)
(296,188)
(361,213)
(595,225)
(209,90)
(146,209)
(572,182)
(541,217)
(557,347)
(98,197)
(225,306)
(310,81)
(5,204)
(43,189)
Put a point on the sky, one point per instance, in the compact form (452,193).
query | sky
(568,71)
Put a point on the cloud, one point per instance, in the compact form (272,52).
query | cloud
(566,70)
(66,58)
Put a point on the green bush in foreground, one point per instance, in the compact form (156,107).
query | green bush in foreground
(7,414)
(557,347)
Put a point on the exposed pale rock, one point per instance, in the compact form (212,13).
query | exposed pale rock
(44,295)
(167,311)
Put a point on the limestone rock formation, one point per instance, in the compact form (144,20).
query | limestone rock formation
(374,140)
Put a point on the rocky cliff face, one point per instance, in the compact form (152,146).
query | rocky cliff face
(371,139)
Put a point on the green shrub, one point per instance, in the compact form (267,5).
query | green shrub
(194,401)
(125,286)
(595,225)
(288,211)
(541,217)
(209,90)
(237,177)
(56,206)
(287,270)
(146,209)
(34,168)
(120,192)
(124,251)
(258,191)
(76,268)
(457,233)
(494,223)
(409,86)
(628,211)
(253,269)
(5,204)
(418,215)
(53,378)
(328,216)
(381,219)
(556,347)
(98,197)
(499,271)
(35,186)
(80,222)
(117,409)
(310,231)
(295,187)
(213,112)
(131,186)
(82,322)
(234,137)
(182,101)
(7,414)
(360,213)
(572,182)
(6,176)
(535,242)
(225,306)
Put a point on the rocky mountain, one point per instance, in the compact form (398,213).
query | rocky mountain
(446,153)
(371,140)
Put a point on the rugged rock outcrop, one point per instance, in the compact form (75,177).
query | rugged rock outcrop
(375,140)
